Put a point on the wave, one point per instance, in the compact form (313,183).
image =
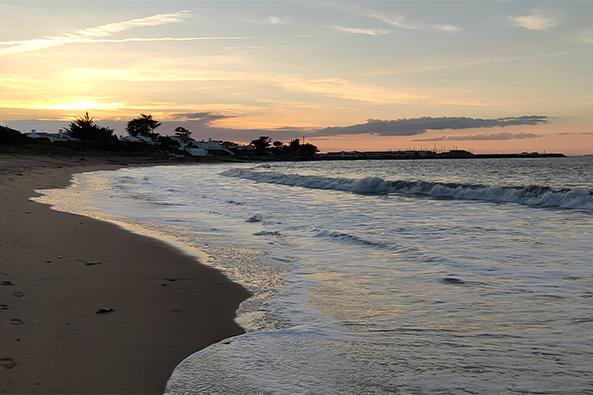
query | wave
(350,238)
(530,195)
(354,239)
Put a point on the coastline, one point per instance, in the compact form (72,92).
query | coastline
(166,305)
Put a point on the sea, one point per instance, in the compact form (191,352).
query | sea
(470,276)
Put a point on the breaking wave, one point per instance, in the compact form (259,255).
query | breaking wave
(531,195)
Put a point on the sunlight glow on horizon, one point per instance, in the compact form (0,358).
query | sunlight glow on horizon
(82,105)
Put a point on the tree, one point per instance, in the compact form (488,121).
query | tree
(86,130)
(294,146)
(262,143)
(308,149)
(168,144)
(183,133)
(278,148)
(11,136)
(144,125)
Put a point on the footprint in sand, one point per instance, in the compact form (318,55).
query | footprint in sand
(7,363)
(16,322)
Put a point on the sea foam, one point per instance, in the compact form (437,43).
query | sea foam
(530,195)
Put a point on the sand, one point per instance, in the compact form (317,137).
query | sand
(57,270)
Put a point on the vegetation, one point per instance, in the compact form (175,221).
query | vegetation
(10,136)
(261,144)
(168,144)
(183,133)
(294,149)
(86,130)
(93,136)
(144,126)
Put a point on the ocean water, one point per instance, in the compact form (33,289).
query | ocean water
(407,277)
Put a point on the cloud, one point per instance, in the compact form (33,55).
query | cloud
(587,36)
(271,20)
(483,137)
(199,129)
(99,34)
(575,134)
(479,62)
(344,89)
(276,20)
(414,126)
(358,30)
(402,22)
(200,124)
(492,60)
(203,117)
(118,27)
(533,21)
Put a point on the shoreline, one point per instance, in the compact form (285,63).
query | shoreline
(58,269)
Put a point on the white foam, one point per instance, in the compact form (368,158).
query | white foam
(526,195)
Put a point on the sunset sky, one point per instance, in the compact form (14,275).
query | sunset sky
(492,76)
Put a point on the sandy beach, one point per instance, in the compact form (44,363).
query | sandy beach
(58,270)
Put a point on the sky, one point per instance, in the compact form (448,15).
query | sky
(488,76)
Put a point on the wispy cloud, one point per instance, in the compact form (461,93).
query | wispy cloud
(359,30)
(344,89)
(276,20)
(233,68)
(117,27)
(480,61)
(575,134)
(483,137)
(402,22)
(205,117)
(587,36)
(100,34)
(271,20)
(533,21)
(414,126)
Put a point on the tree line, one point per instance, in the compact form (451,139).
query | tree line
(264,145)
(86,130)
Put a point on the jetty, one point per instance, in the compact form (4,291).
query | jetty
(422,154)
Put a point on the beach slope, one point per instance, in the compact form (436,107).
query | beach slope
(57,270)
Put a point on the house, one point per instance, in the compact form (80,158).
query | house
(245,148)
(180,141)
(52,137)
(205,147)
(138,139)
(195,149)
(230,145)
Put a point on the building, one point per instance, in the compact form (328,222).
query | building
(206,147)
(52,137)
(138,139)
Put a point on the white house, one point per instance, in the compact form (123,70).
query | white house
(203,147)
(52,137)
(138,139)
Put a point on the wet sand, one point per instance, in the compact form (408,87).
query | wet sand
(57,270)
